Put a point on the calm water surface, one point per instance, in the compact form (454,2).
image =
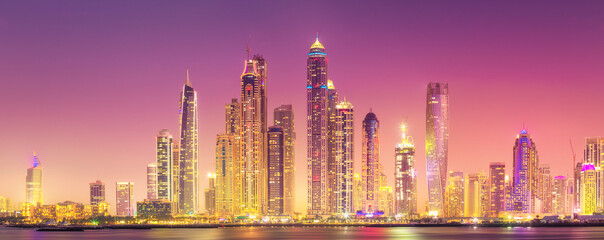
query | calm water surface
(311,233)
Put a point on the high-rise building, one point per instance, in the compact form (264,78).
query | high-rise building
(317,131)
(275,162)
(344,158)
(6,204)
(253,134)
(525,180)
(284,117)
(357,193)
(33,183)
(497,188)
(560,196)
(165,164)
(332,188)
(224,174)
(152,181)
(233,129)
(97,192)
(454,195)
(594,154)
(437,143)
(588,189)
(175,176)
(544,189)
(472,207)
(210,194)
(485,193)
(576,188)
(405,176)
(188,193)
(124,199)
(371,167)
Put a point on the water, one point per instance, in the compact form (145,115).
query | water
(319,233)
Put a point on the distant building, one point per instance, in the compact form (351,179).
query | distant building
(560,195)
(124,199)
(497,188)
(6,205)
(594,154)
(225,144)
(405,175)
(437,143)
(165,165)
(344,159)
(152,181)
(154,209)
(284,117)
(588,189)
(472,203)
(525,180)
(210,194)
(188,192)
(545,190)
(454,195)
(97,192)
(233,131)
(371,166)
(33,183)
(275,171)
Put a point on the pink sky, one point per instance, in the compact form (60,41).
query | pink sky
(87,85)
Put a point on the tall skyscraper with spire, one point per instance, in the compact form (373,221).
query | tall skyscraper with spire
(405,176)
(33,183)
(317,131)
(344,158)
(284,117)
(437,143)
(524,185)
(371,166)
(252,165)
(165,162)
(188,194)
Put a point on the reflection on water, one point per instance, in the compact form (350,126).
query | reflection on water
(318,233)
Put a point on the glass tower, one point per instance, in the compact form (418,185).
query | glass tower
(165,163)
(33,183)
(437,143)
(188,170)
(275,170)
(371,167)
(344,158)
(405,176)
(284,117)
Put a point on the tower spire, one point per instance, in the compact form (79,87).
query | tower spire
(188,81)
(247,47)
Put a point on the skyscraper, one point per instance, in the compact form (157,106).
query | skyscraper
(284,117)
(454,192)
(317,131)
(97,192)
(33,183)
(124,199)
(152,181)
(344,159)
(437,143)
(253,135)
(588,189)
(560,195)
(233,130)
(544,188)
(332,188)
(405,175)
(188,194)
(594,154)
(210,194)
(164,157)
(175,176)
(275,170)
(497,188)
(524,183)
(224,174)
(472,190)
(371,167)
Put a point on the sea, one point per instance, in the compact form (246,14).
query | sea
(319,233)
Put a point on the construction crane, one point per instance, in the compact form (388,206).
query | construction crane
(572,149)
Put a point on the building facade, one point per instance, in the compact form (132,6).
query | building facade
(344,159)
(437,143)
(371,166)
(526,160)
(97,192)
(165,164)
(124,199)
(405,175)
(317,129)
(594,154)
(225,144)
(34,189)
(188,193)
(454,193)
(284,117)
(152,181)
(275,183)
(560,195)
(497,188)
(588,189)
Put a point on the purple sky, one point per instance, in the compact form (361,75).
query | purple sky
(87,84)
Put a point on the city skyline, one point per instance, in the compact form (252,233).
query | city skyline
(87,161)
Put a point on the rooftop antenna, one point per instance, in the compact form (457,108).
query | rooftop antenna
(247,47)
(317,36)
